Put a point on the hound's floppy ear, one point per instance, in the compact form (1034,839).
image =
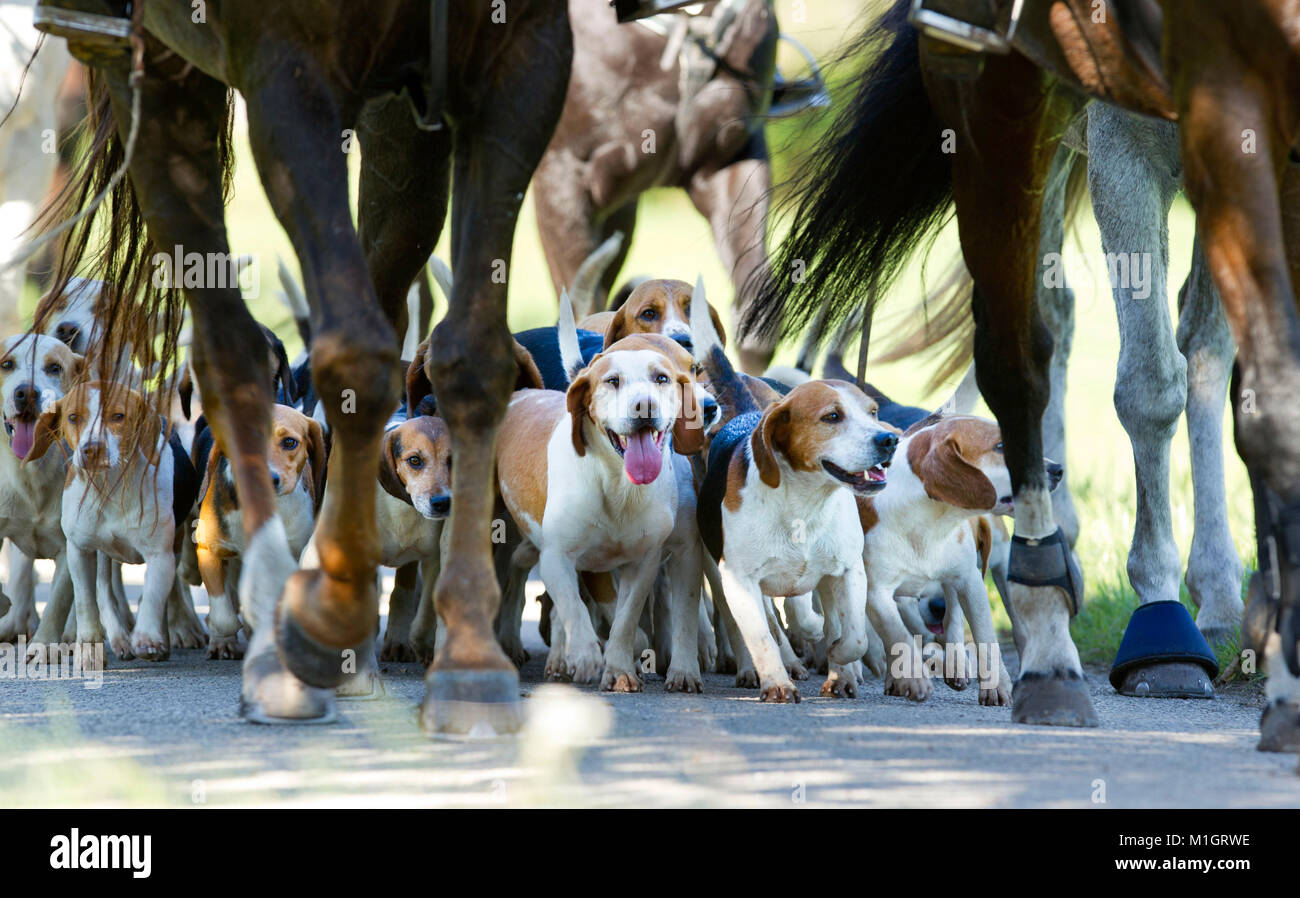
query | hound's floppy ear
(688,429)
(983,541)
(73,374)
(947,475)
(576,398)
(151,430)
(769,436)
(417,380)
(283,371)
(618,328)
(717,325)
(529,377)
(185,390)
(389,457)
(319,456)
(209,473)
(46,432)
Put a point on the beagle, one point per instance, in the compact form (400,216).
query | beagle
(597,499)
(128,504)
(415,473)
(927,527)
(36,371)
(296,456)
(658,306)
(777,506)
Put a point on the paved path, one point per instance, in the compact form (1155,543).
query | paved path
(169,734)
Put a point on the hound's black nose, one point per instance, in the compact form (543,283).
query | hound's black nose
(440,505)
(684,340)
(67,332)
(886,441)
(937,607)
(710,411)
(23,394)
(1055,471)
(275,481)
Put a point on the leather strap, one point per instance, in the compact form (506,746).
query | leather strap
(1046,561)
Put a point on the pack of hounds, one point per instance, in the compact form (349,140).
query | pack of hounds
(683,517)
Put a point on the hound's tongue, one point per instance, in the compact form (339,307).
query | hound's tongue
(22,439)
(641,459)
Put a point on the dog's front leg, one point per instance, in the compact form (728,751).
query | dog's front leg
(905,673)
(846,597)
(746,602)
(580,659)
(82,565)
(803,618)
(57,609)
(995,682)
(685,578)
(403,602)
(20,617)
(634,583)
(150,639)
(789,657)
(956,669)
(223,620)
(424,629)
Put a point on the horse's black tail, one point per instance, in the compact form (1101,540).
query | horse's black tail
(877,181)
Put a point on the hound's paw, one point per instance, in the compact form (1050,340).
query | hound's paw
(725,663)
(957,683)
(683,681)
(50,653)
(916,689)
(797,671)
(708,655)
(747,678)
(838,686)
(11,627)
(585,665)
(997,698)
(424,650)
(779,693)
(396,650)
(188,636)
(224,648)
(515,651)
(149,646)
(620,681)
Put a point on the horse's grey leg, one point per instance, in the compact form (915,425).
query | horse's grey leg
(1133,176)
(1214,570)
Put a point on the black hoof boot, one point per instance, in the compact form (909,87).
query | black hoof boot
(1059,700)
(1163,655)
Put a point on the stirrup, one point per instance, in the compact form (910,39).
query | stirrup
(97,31)
(975,38)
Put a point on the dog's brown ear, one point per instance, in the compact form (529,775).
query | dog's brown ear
(318,453)
(769,438)
(688,430)
(618,328)
(947,475)
(389,457)
(983,541)
(151,429)
(417,379)
(529,377)
(74,373)
(209,474)
(576,398)
(46,432)
(717,326)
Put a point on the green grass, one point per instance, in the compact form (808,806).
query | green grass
(672,240)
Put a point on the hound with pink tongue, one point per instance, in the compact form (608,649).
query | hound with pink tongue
(642,456)
(21,436)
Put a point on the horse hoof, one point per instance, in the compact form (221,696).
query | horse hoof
(471,704)
(1219,636)
(364,685)
(1279,728)
(318,665)
(1052,700)
(272,695)
(1173,679)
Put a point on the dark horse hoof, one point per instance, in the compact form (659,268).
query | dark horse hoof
(1279,728)
(322,666)
(1052,700)
(1163,655)
(1171,679)
(472,704)
(271,695)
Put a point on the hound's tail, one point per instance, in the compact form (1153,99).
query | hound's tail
(566,332)
(586,280)
(442,275)
(292,295)
(875,185)
(726,385)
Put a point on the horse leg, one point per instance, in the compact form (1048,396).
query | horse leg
(1013,116)
(177,178)
(1214,570)
(326,619)
(472,368)
(734,199)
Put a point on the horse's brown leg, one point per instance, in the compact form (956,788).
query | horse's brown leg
(471,366)
(735,200)
(1011,125)
(1237,102)
(326,615)
(177,178)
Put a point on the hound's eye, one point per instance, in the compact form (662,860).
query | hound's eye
(448,462)
(415,461)
(697,370)
(7,365)
(612,381)
(74,419)
(661,378)
(54,369)
(649,314)
(832,417)
(118,417)
(288,444)
(998,447)
(875,413)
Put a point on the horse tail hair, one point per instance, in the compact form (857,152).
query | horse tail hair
(945,328)
(877,182)
(139,315)
(586,280)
